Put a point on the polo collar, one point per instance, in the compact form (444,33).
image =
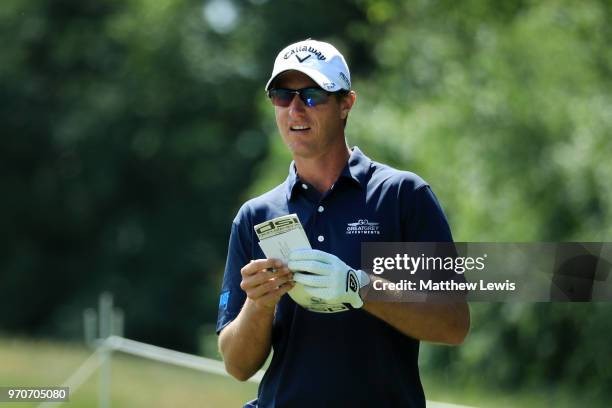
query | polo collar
(356,169)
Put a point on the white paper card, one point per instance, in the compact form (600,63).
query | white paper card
(281,235)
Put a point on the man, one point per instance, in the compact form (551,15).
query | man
(366,354)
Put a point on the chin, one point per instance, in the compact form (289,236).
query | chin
(302,151)
(299,147)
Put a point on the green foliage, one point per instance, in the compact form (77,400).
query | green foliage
(515,106)
(122,161)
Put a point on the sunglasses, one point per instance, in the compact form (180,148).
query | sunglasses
(310,96)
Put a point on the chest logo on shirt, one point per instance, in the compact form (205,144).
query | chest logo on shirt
(363,227)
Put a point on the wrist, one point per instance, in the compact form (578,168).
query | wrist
(257,309)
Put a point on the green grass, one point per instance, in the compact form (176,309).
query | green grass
(136,382)
(471,391)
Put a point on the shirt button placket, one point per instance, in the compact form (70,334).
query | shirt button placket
(320,209)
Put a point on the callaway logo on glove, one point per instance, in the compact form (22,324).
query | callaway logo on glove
(324,283)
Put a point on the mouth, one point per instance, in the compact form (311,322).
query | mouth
(299,128)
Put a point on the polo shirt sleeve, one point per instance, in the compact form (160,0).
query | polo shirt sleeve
(426,222)
(239,253)
(429,224)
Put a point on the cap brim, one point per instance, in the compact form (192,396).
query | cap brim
(322,80)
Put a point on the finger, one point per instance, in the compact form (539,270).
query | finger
(272,298)
(314,281)
(269,286)
(310,255)
(251,281)
(319,268)
(259,264)
(285,288)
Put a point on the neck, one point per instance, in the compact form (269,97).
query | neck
(322,171)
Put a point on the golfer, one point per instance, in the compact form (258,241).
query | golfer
(330,348)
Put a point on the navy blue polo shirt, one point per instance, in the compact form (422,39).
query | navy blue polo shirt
(347,359)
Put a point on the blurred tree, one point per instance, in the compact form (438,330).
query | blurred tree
(128,134)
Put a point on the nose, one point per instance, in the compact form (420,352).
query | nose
(296,105)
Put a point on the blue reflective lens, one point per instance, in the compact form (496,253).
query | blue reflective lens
(310,96)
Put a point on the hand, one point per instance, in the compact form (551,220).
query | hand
(265,281)
(329,285)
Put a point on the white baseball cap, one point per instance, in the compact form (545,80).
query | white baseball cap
(319,60)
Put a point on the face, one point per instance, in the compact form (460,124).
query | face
(310,131)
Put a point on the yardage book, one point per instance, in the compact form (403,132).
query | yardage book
(281,235)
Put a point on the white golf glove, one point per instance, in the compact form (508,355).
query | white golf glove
(324,283)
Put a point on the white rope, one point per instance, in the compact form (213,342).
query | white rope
(207,365)
(80,375)
(434,404)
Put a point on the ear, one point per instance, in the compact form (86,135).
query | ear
(346,103)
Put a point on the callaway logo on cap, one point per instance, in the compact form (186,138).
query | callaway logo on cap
(319,60)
